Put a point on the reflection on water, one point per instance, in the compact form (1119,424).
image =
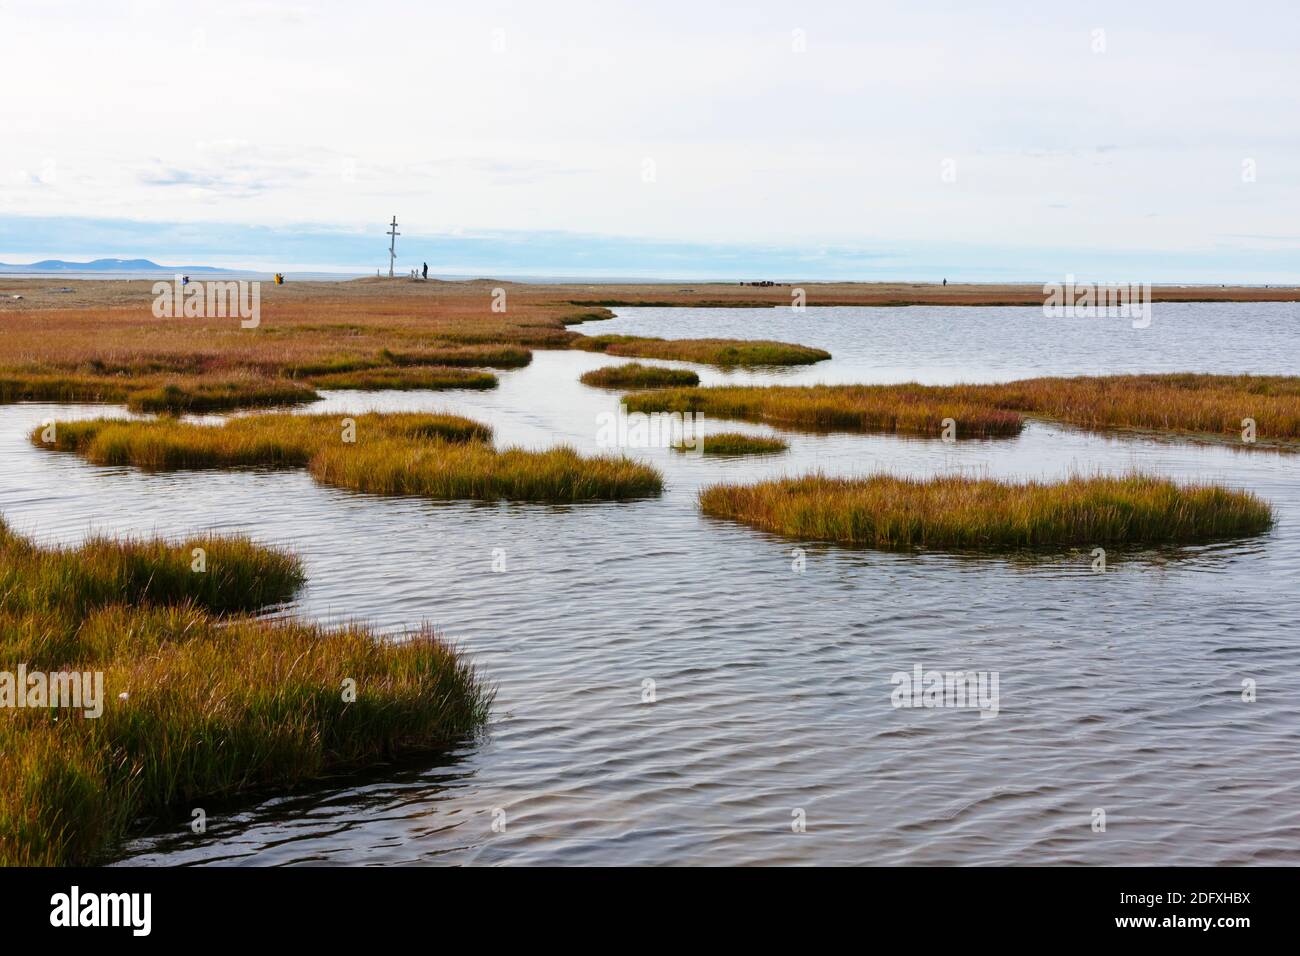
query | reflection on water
(1119,691)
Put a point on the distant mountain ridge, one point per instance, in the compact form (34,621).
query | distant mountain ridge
(104,265)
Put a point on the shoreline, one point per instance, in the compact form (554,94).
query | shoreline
(49,293)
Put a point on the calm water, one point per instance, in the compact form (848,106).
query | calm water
(1119,691)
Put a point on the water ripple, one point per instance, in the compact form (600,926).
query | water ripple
(1120,692)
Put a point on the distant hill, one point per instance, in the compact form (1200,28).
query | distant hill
(104,265)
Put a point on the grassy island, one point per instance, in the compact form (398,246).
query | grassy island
(187,700)
(955,513)
(436,456)
(636,375)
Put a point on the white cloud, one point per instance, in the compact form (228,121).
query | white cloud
(523,116)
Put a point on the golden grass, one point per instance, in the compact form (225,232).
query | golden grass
(437,456)
(725,353)
(908,409)
(205,395)
(1180,402)
(736,443)
(239,575)
(274,441)
(955,513)
(102,343)
(438,304)
(462,356)
(410,378)
(636,375)
(40,386)
(478,471)
(196,706)
(1189,404)
(156,393)
(591,315)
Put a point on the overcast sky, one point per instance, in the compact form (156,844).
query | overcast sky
(810,139)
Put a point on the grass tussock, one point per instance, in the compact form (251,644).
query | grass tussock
(588,315)
(193,396)
(153,393)
(329,365)
(736,443)
(478,471)
(407,378)
(636,375)
(196,705)
(956,513)
(237,575)
(272,441)
(437,456)
(1185,403)
(194,385)
(1179,402)
(40,386)
(724,353)
(866,408)
(461,356)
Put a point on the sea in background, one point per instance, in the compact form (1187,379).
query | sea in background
(264,276)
